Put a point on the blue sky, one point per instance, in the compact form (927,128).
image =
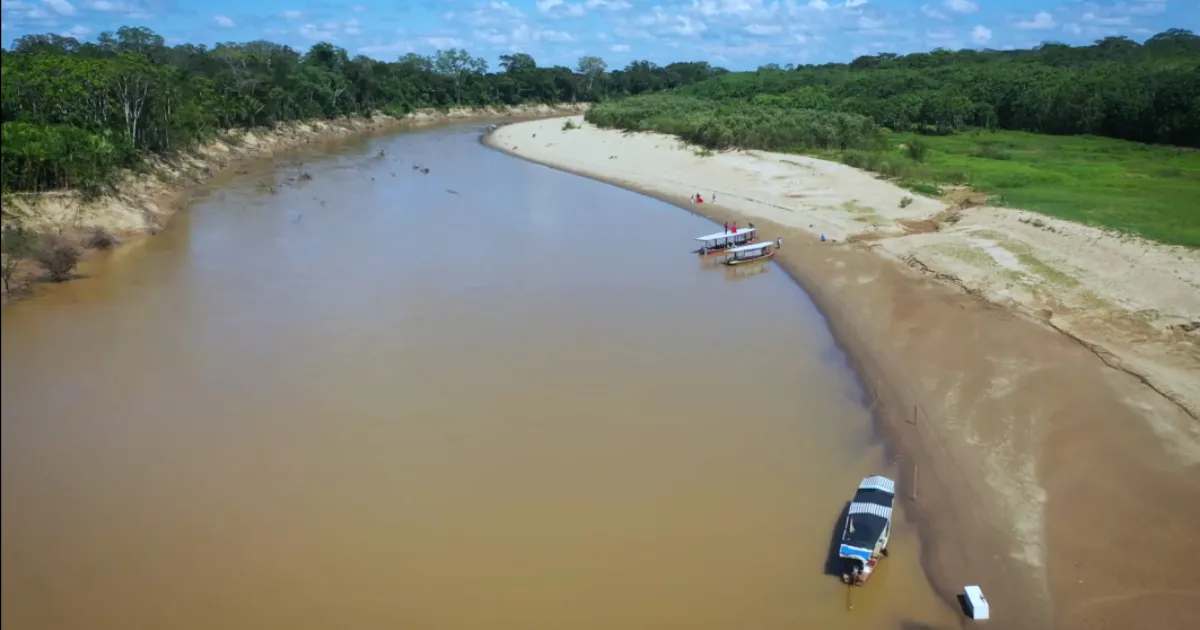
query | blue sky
(737,34)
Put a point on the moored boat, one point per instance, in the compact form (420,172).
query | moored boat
(749,253)
(723,241)
(868,528)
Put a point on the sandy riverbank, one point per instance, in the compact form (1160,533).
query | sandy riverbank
(143,203)
(1051,468)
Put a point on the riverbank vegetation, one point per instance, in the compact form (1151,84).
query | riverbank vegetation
(75,113)
(1061,130)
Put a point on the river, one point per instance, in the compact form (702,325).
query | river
(491,396)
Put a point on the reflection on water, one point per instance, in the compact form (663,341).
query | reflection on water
(368,402)
(734,272)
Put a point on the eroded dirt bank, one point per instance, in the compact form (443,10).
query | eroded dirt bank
(1040,471)
(143,203)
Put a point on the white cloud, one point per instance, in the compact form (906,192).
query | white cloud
(932,12)
(562,9)
(961,6)
(558,37)
(314,33)
(491,14)
(506,9)
(61,7)
(740,8)
(664,22)
(132,10)
(819,5)
(611,5)
(855,3)
(869,24)
(223,21)
(1092,18)
(442,43)
(491,36)
(522,36)
(1073,29)
(1148,7)
(79,31)
(619,48)
(358,8)
(1041,21)
(351,27)
(293,15)
(981,35)
(23,10)
(687,27)
(763,29)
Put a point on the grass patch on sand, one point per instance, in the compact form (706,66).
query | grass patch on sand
(1033,268)
(1140,189)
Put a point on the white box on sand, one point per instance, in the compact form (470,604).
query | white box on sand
(977,604)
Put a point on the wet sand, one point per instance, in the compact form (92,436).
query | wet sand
(384,399)
(1047,477)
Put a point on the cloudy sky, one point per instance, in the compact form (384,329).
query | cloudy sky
(737,34)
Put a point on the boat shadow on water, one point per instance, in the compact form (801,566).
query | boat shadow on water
(834,565)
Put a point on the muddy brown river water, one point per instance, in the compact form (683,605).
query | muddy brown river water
(369,402)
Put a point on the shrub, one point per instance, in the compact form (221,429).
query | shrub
(16,245)
(916,149)
(99,239)
(57,256)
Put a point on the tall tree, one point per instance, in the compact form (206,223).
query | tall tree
(517,63)
(591,68)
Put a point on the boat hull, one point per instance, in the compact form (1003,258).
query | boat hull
(742,261)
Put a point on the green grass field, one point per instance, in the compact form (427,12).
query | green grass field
(1149,190)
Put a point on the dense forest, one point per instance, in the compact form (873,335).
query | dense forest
(75,113)
(1116,88)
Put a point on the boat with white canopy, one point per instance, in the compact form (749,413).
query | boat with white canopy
(723,241)
(748,253)
(868,528)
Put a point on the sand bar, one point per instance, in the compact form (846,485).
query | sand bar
(1038,380)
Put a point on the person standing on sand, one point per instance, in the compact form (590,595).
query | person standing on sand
(726,227)
(779,242)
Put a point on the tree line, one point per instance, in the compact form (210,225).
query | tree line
(75,113)
(1115,87)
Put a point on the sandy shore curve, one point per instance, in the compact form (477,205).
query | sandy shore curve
(1048,455)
